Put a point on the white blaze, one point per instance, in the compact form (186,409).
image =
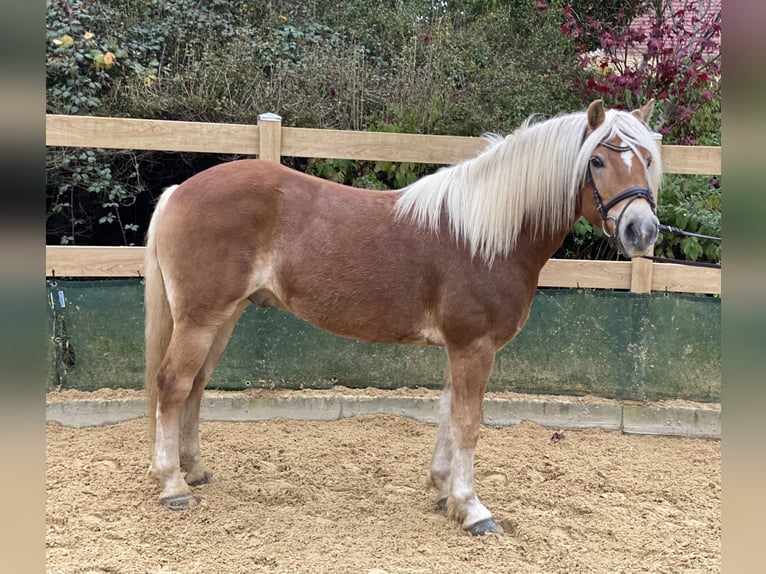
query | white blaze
(627,158)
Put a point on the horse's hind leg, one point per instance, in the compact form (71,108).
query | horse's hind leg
(187,353)
(191,461)
(441,461)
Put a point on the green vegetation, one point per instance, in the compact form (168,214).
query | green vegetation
(460,67)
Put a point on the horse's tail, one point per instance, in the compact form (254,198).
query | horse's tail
(159,322)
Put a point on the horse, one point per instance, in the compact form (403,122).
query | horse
(452,260)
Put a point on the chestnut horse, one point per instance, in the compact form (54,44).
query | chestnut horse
(452,260)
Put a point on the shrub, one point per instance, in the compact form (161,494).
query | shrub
(420,66)
(692,203)
(86,189)
(663,49)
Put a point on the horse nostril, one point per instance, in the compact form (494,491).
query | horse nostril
(631,233)
(640,233)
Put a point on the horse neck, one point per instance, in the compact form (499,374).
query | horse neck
(533,250)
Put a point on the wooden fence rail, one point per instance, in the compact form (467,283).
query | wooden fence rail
(269,140)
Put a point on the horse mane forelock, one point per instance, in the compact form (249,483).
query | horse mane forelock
(634,134)
(533,175)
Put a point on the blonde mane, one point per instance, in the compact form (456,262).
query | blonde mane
(533,175)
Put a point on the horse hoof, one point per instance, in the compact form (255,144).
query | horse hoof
(207,478)
(488,525)
(180,502)
(441,504)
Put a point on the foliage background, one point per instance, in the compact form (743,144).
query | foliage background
(460,67)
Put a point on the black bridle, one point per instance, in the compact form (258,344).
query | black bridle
(631,193)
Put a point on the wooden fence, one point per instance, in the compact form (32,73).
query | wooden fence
(269,140)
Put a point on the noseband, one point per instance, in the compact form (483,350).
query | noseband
(632,192)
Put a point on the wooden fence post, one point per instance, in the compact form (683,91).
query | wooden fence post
(270,137)
(641,275)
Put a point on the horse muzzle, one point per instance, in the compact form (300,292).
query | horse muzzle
(636,228)
(637,231)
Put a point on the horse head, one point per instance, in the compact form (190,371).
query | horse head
(622,176)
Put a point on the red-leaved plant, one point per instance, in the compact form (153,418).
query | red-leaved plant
(662,49)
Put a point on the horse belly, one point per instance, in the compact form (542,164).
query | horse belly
(374,322)
(368,306)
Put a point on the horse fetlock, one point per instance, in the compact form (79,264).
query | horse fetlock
(468,511)
(175,491)
(442,486)
(454,511)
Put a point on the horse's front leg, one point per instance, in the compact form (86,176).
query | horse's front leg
(470,367)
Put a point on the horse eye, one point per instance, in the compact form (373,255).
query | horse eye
(649,161)
(596,161)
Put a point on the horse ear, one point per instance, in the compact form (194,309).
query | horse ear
(596,114)
(645,113)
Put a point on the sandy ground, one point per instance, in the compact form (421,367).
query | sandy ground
(350,496)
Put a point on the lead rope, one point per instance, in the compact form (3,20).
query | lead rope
(672,229)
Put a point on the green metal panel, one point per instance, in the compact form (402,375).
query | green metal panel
(97,329)
(605,343)
(616,344)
